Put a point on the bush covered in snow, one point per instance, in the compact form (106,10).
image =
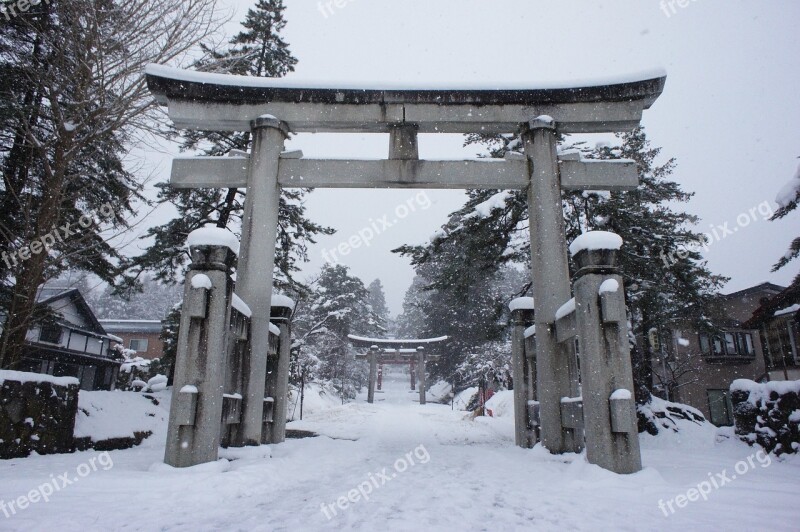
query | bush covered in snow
(658,414)
(768,414)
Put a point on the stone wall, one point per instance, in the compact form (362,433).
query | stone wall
(768,414)
(37,413)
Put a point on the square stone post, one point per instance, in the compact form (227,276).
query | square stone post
(257,260)
(413,366)
(421,373)
(556,364)
(277,385)
(193,434)
(380,376)
(373,373)
(609,411)
(521,317)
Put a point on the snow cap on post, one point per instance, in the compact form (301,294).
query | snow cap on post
(521,303)
(210,235)
(596,252)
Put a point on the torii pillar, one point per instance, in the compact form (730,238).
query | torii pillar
(256,263)
(421,374)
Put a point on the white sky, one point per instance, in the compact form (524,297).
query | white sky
(730,112)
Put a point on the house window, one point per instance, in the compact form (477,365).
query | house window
(719,348)
(705,344)
(50,334)
(730,344)
(720,407)
(139,345)
(746,342)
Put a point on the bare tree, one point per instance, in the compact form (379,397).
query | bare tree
(79,100)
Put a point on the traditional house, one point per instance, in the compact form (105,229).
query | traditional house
(72,344)
(142,336)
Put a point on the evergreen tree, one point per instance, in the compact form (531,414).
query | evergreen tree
(788,199)
(665,280)
(257,51)
(376,299)
(334,307)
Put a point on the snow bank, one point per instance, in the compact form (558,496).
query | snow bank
(501,404)
(464,398)
(595,240)
(317,399)
(21,376)
(213,236)
(667,424)
(108,415)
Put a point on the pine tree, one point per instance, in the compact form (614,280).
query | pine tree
(788,200)
(257,51)
(335,307)
(376,299)
(666,281)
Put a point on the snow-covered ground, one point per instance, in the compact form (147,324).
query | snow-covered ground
(409,467)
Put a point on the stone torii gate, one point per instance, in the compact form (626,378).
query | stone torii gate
(395,351)
(271,109)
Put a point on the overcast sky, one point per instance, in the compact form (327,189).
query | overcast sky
(730,113)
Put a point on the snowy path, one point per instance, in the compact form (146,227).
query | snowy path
(466,475)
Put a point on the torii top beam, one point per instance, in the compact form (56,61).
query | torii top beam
(220,102)
(395,344)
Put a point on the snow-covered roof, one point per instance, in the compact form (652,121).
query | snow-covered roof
(21,376)
(788,310)
(155,72)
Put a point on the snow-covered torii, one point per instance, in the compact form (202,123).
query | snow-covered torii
(397,351)
(272,108)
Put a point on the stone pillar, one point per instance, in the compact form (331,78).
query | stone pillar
(413,366)
(521,318)
(556,369)
(373,373)
(421,373)
(193,435)
(254,275)
(380,377)
(278,384)
(609,411)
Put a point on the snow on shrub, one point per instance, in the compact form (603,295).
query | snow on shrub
(657,414)
(768,414)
